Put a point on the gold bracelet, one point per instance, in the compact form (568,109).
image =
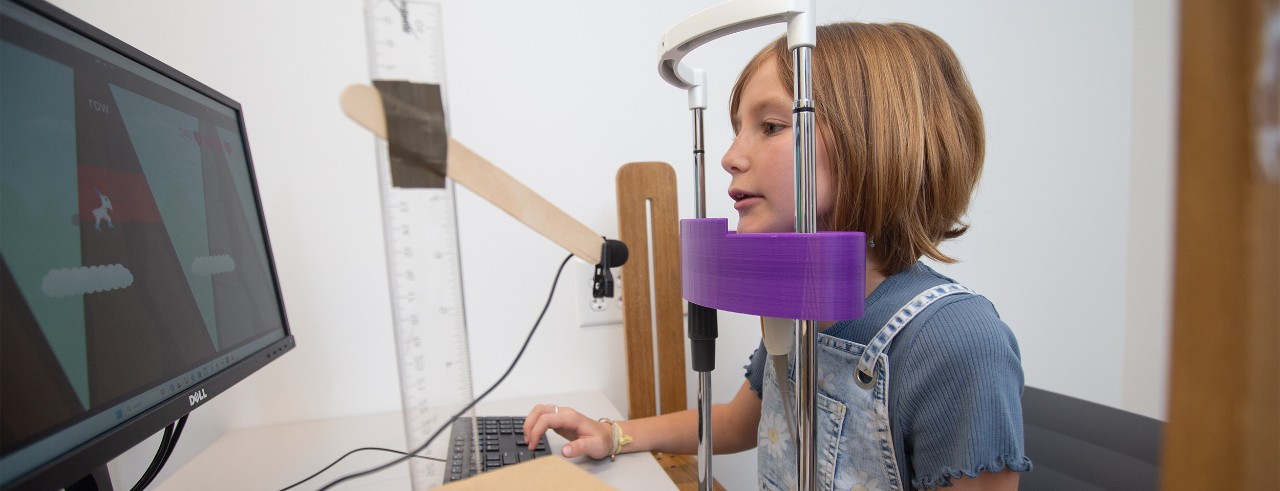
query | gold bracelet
(619,439)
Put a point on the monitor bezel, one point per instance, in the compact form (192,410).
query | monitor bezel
(93,454)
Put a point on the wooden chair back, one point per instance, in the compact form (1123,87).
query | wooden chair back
(648,217)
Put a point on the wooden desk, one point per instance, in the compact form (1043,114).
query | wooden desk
(273,457)
(683,469)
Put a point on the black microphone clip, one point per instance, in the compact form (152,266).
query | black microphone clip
(613,253)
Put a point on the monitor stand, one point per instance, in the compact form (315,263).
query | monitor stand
(98,480)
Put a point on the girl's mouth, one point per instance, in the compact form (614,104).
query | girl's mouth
(741,200)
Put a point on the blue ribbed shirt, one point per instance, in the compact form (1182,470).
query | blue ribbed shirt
(955,376)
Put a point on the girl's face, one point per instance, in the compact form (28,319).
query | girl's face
(761,160)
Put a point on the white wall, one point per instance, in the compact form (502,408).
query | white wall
(1071,224)
(1151,202)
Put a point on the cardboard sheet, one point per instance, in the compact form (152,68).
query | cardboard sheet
(550,473)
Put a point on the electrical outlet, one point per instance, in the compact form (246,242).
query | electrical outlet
(597,311)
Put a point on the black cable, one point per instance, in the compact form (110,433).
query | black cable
(173,443)
(477,399)
(167,443)
(348,454)
(145,479)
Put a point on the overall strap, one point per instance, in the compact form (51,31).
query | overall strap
(881,341)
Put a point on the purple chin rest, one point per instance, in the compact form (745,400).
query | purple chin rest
(819,276)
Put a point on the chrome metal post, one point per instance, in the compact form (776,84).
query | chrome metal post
(806,222)
(705,479)
(699,167)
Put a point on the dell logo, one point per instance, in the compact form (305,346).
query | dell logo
(196,397)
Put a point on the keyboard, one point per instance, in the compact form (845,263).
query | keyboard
(501,442)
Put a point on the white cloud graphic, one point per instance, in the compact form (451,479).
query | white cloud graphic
(85,279)
(211,265)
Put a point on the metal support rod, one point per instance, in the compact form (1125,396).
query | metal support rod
(699,167)
(806,222)
(705,479)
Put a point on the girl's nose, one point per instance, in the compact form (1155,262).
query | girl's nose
(734,160)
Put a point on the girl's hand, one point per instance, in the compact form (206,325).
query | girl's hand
(586,436)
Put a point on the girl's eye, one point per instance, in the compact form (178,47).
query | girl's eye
(771,128)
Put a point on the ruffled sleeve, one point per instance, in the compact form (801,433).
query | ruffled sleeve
(960,407)
(755,370)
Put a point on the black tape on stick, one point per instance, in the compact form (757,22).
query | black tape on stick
(416,140)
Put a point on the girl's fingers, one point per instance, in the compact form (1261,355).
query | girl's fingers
(532,419)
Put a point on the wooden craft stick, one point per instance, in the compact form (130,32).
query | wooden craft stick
(363,104)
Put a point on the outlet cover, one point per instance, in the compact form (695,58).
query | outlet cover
(597,311)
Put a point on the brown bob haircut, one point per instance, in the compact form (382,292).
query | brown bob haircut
(903,131)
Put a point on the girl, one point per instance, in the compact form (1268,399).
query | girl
(899,149)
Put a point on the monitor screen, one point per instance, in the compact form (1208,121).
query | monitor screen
(136,279)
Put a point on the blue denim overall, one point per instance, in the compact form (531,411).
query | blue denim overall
(855,447)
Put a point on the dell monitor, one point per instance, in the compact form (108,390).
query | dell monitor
(136,277)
